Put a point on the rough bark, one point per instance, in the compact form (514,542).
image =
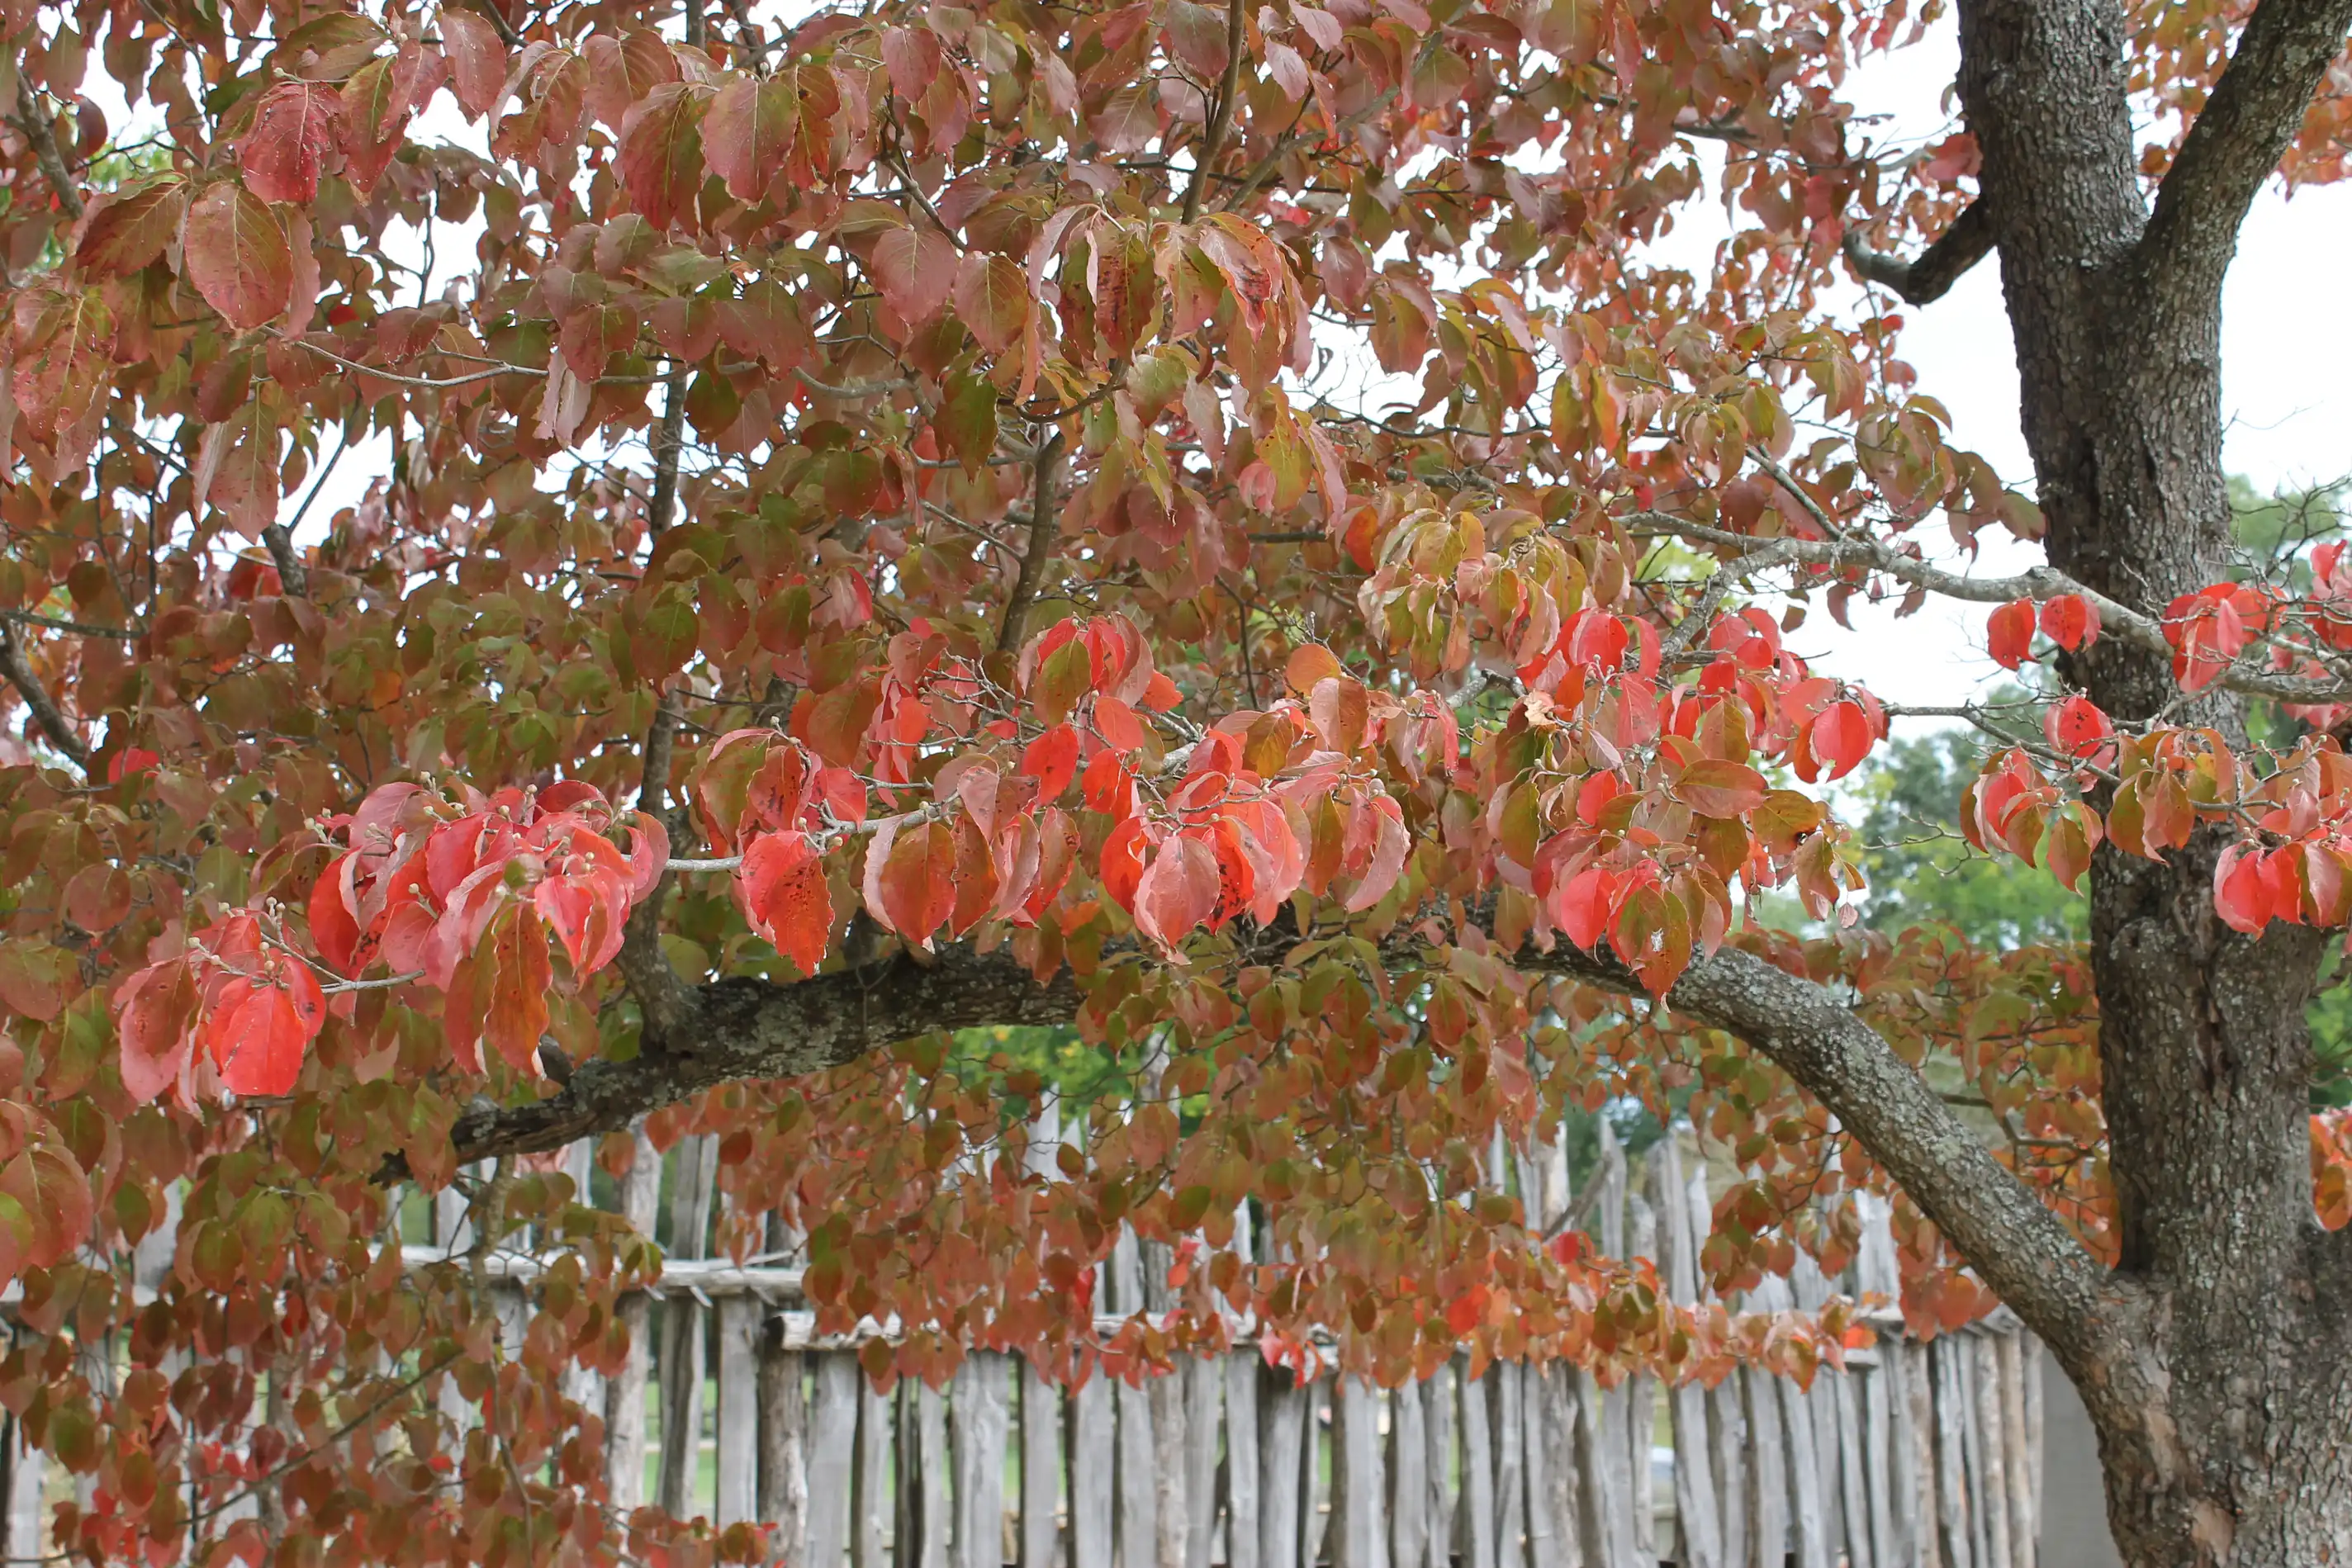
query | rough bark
(2218,1390)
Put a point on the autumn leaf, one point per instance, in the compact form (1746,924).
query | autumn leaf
(748,133)
(478,60)
(234,251)
(781,887)
(661,159)
(915,269)
(295,126)
(131,226)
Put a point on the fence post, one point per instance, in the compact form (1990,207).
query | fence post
(739,1383)
(1408,1477)
(1727,1422)
(1041,1402)
(1245,1503)
(624,1396)
(1641,1237)
(783,1416)
(1438,1421)
(1355,1474)
(1951,1456)
(980,1422)
(2028,1382)
(1314,1487)
(1875,1274)
(682,1341)
(1282,1470)
(869,1494)
(1203,1380)
(1768,1468)
(1695,1515)
(1474,1515)
(1094,1437)
(832,1450)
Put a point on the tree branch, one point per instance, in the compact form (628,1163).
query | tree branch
(38,701)
(2018,1248)
(2244,129)
(1220,113)
(1045,534)
(2116,619)
(1969,241)
(34,121)
(742,1028)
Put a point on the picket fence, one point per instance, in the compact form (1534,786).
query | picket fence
(1918,1455)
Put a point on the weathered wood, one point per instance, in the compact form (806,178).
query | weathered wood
(831,1452)
(1139,1491)
(1506,1405)
(1204,1379)
(1726,1418)
(1919,1399)
(1474,1515)
(980,1414)
(869,1500)
(583,1385)
(1408,1478)
(2017,1487)
(1953,1533)
(624,1396)
(2029,1359)
(1355,1474)
(739,1411)
(1281,1468)
(1972,1452)
(1172,1503)
(1093,1425)
(1604,1476)
(1243,1507)
(933,1524)
(1854,1489)
(694,1173)
(1768,1470)
(1315,1463)
(1811,1290)
(1641,1239)
(1695,1520)
(1439,1426)
(1810,1545)
(1041,1470)
(1875,1276)
(26,1526)
(783,1481)
(1992,1439)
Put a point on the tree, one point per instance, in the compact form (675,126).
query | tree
(870,542)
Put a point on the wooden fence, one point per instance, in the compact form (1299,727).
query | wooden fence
(1919,1455)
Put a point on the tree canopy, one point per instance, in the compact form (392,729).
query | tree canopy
(873,540)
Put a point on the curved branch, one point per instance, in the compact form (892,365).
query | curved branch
(36,698)
(1930,277)
(2238,139)
(1044,533)
(2020,1248)
(1221,114)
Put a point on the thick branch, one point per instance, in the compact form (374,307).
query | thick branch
(1220,113)
(2244,129)
(749,1028)
(35,121)
(2013,1242)
(38,701)
(1044,533)
(1968,242)
(2116,619)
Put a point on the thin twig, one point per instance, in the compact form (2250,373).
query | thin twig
(35,122)
(1220,113)
(38,701)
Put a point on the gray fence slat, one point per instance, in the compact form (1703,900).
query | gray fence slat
(1281,1468)
(1408,1478)
(1919,1396)
(1854,1494)
(1204,1379)
(624,1394)
(1506,1406)
(1041,1470)
(1727,1426)
(1315,1464)
(784,1473)
(1768,1470)
(1695,1516)
(27,1520)
(1603,1504)
(1138,1489)
(1355,1474)
(982,1420)
(1552,1495)
(933,1525)
(694,1173)
(1244,1517)
(1951,1456)
(1438,1425)
(1474,1514)
(1093,1456)
(1992,1485)
(2028,1359)
(832,1454)
(870,1486)
(739,1410)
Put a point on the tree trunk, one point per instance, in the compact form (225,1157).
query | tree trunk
(2216,1376)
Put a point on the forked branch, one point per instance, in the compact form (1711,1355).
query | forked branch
(1931,276)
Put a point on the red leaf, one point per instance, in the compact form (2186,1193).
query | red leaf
(131,228)
(517,1015)
(991,297)
(235,253)
(661,154)
(151,1014)
(257,1031)
(2240,894)
(916,268)
(1714,788)
(911,878)
(1178,891)
(477,61)
(333,930)
(1841,738)
(2010,633)
(783,890)
(1116,724)
(748,133)
(2077,728)
(51,1195)
(293,129)
(2070,621)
